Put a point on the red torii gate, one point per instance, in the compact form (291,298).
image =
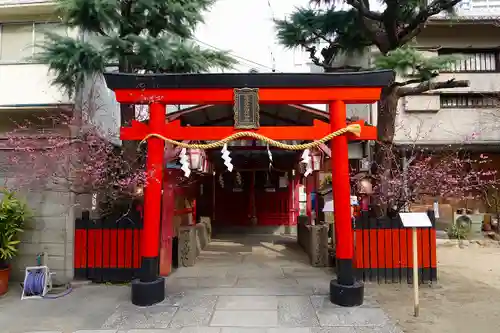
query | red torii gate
(334,89)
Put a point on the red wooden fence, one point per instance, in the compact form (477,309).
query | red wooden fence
(107,250)
(383,250)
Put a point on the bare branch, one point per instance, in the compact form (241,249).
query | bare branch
(364,10)
(415,26)
(316,61)
(407,82)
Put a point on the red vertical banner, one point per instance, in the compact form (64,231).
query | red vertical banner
(291,201)
(309,188)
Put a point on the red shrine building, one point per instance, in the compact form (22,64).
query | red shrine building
(248,136)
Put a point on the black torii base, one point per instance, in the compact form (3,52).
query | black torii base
(346,290)
(150,288)
(148,293)
(347,295)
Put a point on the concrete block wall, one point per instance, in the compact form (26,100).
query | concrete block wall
(51,230)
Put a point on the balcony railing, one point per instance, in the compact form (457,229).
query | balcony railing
(22,2)
(474,9)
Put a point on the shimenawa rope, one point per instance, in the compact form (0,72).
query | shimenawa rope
(353,128)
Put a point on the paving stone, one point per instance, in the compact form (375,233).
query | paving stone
(200,271)
(210,282)
(296,311)
(186,317)
(200,330)
(243,330)
(259,272)
(261,291)
(297,272)
(333,330)
(265,282)
(243,318)
(87,331)
(389,328)
(247,303)
(189,282)
(161,330)
(130,317)
(321,301)
(190,300)
(339,316)
(318,285)
(289,330)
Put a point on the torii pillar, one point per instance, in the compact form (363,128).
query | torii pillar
(149,289)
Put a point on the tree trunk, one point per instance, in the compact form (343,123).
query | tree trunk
(386,122)
(127,114)
(384,155)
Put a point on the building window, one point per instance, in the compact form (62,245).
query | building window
(485,4)
(466,101)
(18,40)
(472,61)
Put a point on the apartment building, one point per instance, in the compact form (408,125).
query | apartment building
(26,94)
(468,117)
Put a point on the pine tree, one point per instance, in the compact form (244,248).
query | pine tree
(141,36)
(353,29)
(154,36)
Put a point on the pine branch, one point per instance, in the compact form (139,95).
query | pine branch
(414,81)
(415,26)
(430,85)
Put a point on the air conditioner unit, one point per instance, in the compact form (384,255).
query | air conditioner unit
(474,222)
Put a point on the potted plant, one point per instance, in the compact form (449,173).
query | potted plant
(13,214)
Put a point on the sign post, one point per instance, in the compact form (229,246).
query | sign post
(414,221)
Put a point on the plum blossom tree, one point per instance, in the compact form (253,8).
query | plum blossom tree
(70,154)
(453,174)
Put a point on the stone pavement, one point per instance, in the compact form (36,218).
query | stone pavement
(250,284)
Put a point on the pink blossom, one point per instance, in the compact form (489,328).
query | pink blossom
(450,175)
(85,162)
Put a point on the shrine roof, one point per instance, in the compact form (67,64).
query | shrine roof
(376,78)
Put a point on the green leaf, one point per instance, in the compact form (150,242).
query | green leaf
(337,27)
(70,60)
(96,16)
(407,60)
(149,35)
(13,212)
